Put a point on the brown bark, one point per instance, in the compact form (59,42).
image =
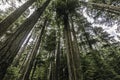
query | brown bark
(71,54)
(4,25)
(10,49)
(33,54)
(18,56)
(77,51)
(57,77)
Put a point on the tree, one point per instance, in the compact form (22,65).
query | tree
(70,49)
(28,69)
(4,25)
(72,55)
(18,38)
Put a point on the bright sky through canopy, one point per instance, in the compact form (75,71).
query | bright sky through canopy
(110,30)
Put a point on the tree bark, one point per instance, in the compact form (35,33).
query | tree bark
(10,49)
(57,77)
(18,56)
(4,25)
(33,54)
(27,58)
(34,68)
(72,58)
(77,51)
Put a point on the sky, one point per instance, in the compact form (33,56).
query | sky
(110,30)
(4,6)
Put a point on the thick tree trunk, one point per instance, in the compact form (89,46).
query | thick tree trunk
(18,56)
(24,66)
(57,76)
(58,52)
(26,61)
(51,75)
(28,52)
(68,44)
(4,25)
(72,56)
(27,58)
(9,51)
(77,51)
(33,55)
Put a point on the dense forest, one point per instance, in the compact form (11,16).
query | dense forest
(59,40)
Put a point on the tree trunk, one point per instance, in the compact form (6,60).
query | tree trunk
(33,54)
(4,25)
(72,58)
(50,72)
(18,56)
(58,52)
(27,58)
(51,75)
(27,55)
(34,68)
(77,51)
(57,77)
(9,51)
(24,66)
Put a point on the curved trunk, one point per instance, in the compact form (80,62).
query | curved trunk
(4,25)
(9,51)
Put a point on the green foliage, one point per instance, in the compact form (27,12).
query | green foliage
(97,71)
(101,62)
(65,6)
(50,41)
(12,73)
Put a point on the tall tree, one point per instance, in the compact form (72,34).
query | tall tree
(72,55)
(9,51)
(4,25)
(33,54)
